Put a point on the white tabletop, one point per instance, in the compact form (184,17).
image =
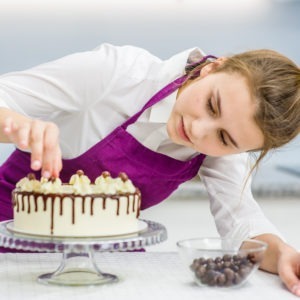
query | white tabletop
(149,275)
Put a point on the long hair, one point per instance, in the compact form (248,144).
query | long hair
(274,82)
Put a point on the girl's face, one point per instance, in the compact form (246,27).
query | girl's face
(214,115)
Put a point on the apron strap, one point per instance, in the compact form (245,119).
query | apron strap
(164,92)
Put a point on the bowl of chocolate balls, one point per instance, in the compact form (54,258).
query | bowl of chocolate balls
(218,262)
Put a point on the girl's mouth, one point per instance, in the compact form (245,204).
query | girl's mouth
(181,131)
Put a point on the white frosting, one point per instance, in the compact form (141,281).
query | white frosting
(109,185)
(105,185)
(50,186)
(124,186)
(28,185)
(81,184)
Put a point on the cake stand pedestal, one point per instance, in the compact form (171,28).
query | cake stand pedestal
(78,266)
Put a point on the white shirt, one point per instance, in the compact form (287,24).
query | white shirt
(89,94)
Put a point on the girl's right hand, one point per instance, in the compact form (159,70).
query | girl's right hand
(40,138)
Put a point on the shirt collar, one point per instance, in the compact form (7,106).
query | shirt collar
(171,70)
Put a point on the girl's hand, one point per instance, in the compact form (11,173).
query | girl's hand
(289,269)
(39,137)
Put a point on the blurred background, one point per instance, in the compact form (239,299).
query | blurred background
(34,31)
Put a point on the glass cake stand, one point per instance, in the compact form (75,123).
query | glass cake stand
(78,266)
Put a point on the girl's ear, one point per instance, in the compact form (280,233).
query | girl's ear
(211,67)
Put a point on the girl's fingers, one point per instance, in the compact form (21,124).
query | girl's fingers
(51,155)
(39,137)
(57,164)
(36,144)
(292,282)
(289,273)
(22,136)
(10,129)
(17,134)
(7,126)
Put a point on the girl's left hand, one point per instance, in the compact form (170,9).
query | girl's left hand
(289,269)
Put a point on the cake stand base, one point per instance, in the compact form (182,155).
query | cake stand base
(78,266)
(77,269)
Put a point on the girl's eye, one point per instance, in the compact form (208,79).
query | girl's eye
(222,139)
(210,107)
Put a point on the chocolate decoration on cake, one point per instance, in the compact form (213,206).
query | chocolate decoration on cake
(33,200)
(52,198)
(31,176)
(105,174)
(80,172)
(123,176)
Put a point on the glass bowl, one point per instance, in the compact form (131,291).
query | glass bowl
(219,262)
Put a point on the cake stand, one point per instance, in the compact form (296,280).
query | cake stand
(78,266)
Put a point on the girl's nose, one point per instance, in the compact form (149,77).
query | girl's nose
(202,128)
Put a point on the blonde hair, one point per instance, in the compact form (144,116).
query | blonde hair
(274,81)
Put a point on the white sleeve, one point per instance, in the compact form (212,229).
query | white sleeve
(65,85)
(235,211)
(2,101)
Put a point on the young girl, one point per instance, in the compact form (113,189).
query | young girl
(123,109)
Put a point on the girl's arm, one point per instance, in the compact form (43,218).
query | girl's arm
(38,137)
(237,215)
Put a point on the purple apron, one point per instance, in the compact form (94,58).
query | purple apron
(155,174)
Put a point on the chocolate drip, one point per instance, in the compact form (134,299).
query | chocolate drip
(138,210)
(28,207)
(18,206)
(138,193)
(73,210)
(92,206)
(35,204)
(118,206)
(83,205)
(133,204)
(61,207)
(25,196)
(15,201)
(45,203)
(128,202)
(22,207)
(52,214)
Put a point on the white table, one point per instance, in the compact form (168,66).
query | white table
(149,275)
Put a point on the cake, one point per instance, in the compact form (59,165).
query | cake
(48,207)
